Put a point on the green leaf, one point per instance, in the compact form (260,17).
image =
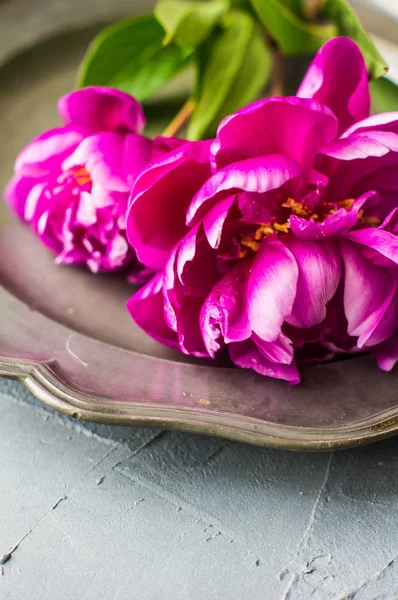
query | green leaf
(253,76)
(235,70)
(130,56)
(292,35)
(344,17)
(384,95)
(189,23)
(306,9)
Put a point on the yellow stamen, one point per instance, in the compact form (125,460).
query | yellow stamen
(296,207)
(249,243)
(370,221)
(281,227)
(347,203)
(244,252)
(262,231)
(81,176)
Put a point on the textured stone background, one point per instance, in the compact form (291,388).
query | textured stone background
(96,512)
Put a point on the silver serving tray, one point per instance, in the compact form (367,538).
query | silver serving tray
(66,334)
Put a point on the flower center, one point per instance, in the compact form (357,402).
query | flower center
(250,243)
(81,176)
(77,176)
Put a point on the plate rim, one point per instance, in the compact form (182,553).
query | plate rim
(58,394)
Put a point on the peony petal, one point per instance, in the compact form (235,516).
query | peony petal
(163,145)
(368,292)
(363,145)
(280,351)
(161,195)
(383,242)
(196,264)
(17,192)
(147,309)
(214,220)
(295,127)
(37,203)
(188,326)
(248,356)
(359,163)
(271,288)
(102,109)
(224,312)
(117,252)
(390,223)
(338,78)
(386,325)
(139,275)
(387,353)
(137,153)
(112,160)
(45,154)
(258,175)
(380,122)
(335,226)
(319,265)
(86,213)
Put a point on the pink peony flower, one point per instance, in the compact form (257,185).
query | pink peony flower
(72,183)
(288,251)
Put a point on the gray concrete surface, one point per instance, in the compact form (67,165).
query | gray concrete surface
(97,512)
(92,512)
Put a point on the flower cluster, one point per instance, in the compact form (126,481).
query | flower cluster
(278,239)
(72,183)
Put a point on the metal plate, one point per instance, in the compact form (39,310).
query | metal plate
(67,335)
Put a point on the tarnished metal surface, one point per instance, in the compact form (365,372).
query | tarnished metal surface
(67,334)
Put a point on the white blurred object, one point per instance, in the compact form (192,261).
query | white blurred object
(389,52)
(380,17)
(388,7)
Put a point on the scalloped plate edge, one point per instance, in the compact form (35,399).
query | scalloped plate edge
(58,395)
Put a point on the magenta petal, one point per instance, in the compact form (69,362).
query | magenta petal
(390,223)
(112,160)
(189,331)
(386,325)
(86,213)
(368,292)
(380,122)
(138,274)
(332,227)
(280,351)
(196,265)
(387,353)
(362,145)
(296,127)
(213,221)
(102,109)
(137,153)
(147,309)
(335,226)
(319,265)
(43,155)
(156,217)
(248,356)
(252,175)
(224,312)
(383,242)
(362,162)
(271,288)
(163,145)
(338,78)
(17,191)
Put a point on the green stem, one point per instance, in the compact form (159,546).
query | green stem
(278,76)
(180,119)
